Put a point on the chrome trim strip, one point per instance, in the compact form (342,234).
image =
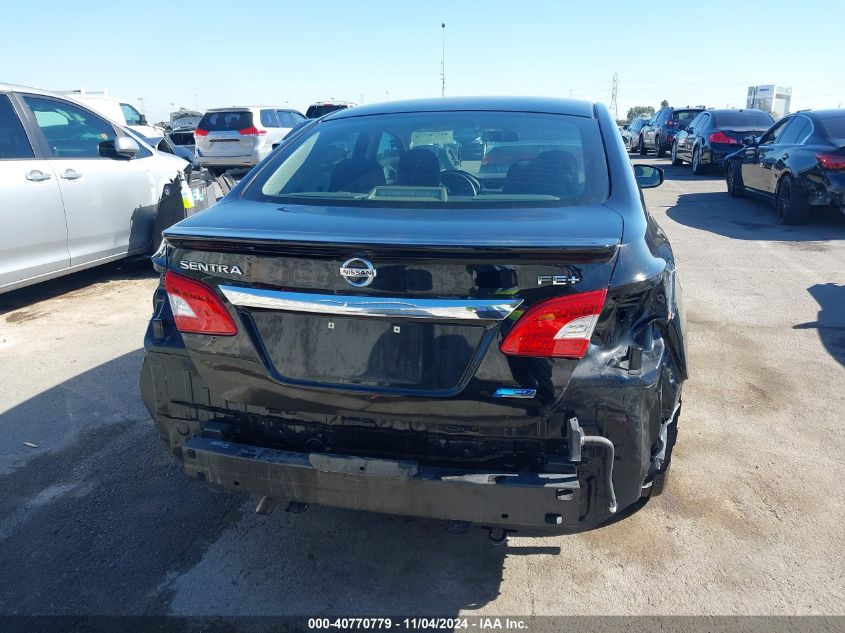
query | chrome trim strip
(407,308)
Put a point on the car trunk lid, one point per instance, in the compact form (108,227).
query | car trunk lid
(427,326)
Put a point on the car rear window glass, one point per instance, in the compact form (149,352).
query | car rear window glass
(13,140)
(834,128)
(441,159)
(319,109)
(226,121)
(182,138)
(744,118)
(684,115)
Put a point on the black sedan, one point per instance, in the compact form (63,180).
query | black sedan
(714,134)
(798,164)
(631,136)
(427,340)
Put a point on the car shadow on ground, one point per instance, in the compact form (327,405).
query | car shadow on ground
(106,523)
(831,321)
(677,172)
(684,173)
(752,219)
(134,268)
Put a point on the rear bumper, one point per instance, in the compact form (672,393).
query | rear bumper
(570,497)
(716,156)
(243,160)
(524,500)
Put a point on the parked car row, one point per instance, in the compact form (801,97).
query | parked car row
(714,134)
(239,137)
(659,133)
(798,164)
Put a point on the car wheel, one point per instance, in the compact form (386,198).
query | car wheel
(675,160)
(697,167)
(659,150)
(643,150)
(733,178)
(791,206)
(658,483)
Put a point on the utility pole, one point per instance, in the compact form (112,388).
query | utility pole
(614,107)
(443,62)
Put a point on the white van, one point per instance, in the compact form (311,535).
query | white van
(114,109)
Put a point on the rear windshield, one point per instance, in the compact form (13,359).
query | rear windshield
(441,159)
(834,128)
(228,121)
(317,110)
(684,115)
(744,118)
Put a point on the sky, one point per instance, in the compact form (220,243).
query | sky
(209,53)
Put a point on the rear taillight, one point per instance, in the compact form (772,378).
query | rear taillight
(196,308)
(199,132)
(559,327)
(831,161)
(721,137)
(252,131)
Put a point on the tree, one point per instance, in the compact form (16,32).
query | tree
(638,111)
(664,103)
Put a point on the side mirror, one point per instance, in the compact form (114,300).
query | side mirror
(126,146)
(143,119)
(648,176)
(750,140)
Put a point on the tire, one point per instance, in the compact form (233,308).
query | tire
(643,150)
(659,150)
(791,206)
(677,162)
(661,477)
(697,168)
(733,178)
(658,484)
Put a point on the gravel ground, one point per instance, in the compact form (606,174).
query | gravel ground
(97,519)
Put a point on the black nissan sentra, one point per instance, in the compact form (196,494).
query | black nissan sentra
(370,320)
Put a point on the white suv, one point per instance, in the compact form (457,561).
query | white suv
(234,137)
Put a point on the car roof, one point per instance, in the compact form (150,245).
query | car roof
(38,91)
(726,110)
(822,114)
(251,107)
(452,104)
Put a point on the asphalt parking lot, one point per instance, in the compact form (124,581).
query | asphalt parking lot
(96,518)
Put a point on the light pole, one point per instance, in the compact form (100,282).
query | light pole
(443,62)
